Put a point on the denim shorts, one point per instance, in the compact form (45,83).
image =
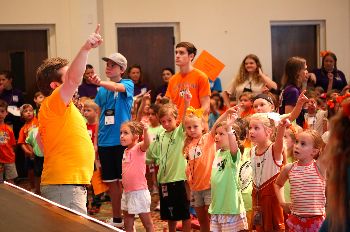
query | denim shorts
(69,195)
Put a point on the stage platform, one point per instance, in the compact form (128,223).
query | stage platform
(21,211)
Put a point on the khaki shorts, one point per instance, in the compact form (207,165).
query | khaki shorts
(68,195)
(200,198)
(9,172)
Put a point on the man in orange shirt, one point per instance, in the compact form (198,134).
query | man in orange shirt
(188,79)
(69,152)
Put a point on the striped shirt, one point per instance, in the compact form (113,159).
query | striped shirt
(307,190)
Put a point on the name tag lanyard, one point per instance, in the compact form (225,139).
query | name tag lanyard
(110,113)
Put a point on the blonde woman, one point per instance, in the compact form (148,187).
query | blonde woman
(250,78)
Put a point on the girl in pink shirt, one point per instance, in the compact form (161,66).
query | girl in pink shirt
(136,198)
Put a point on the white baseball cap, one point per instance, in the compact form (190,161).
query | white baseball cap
(118,59)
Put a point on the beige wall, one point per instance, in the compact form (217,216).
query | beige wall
(229,29)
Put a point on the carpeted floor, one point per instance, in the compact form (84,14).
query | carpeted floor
(159,225)
(106,211)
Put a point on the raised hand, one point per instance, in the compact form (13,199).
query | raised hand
(187,95)
(284,122)
(94,40)
(95,79)
(146,96)
(302,99)
(231,118)
(330,76)
(233,110)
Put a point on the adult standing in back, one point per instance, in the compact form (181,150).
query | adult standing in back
(329,76)
(250,78)
(188,79)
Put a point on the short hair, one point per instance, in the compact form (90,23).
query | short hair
(249,95)
(91,104)
(25,106)
(311,94)
(164,101)
(8,74)
(155,108)
(48,72)
(37,94)
(168,109)
(319,89)
(191,49)
(168,69)
(136,128)
(3,104)
(89,66)
(139,68)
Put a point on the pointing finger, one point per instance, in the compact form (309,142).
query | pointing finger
(97,30)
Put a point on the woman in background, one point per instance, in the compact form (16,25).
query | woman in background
(250,78)
(328,76)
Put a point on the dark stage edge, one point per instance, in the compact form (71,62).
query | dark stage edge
(21,211)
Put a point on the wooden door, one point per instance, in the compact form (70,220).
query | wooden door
(150,47)
(292,40)
(21,52)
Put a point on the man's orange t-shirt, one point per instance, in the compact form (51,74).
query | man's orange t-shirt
(196,81)
(68,150)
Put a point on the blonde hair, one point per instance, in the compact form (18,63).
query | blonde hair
(188,139)
(91,104)
(237,134)
(263,119)
(317,140)
(24,107)
(168,109)
(135,127)
(292,130)
(266,122)
(242,74)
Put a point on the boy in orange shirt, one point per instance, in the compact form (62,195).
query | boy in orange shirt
(246,104)
(188,79)
(7,143)
(27,114)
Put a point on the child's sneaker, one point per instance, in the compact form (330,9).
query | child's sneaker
(116,224)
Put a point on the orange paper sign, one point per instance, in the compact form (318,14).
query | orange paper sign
(208,64)
(97,184)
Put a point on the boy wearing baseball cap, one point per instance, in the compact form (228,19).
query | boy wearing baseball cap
(115,98)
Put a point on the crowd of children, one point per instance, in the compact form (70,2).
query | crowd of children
(250,168)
